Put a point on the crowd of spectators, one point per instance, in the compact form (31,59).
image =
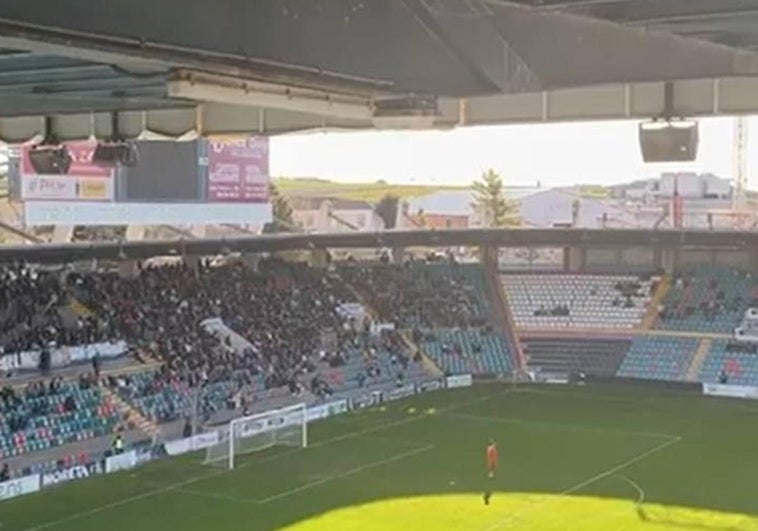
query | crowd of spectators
(282,310)
(410,296)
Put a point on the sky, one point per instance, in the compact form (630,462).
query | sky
(553,154)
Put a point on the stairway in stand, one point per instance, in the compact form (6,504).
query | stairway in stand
(651,315)
(697,360)
(133,415)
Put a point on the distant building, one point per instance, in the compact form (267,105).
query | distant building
(332,214)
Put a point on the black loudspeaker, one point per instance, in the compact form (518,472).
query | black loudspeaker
(115,154)
(669,141)
(50,160)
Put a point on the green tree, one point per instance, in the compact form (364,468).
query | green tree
(281,212)
(490,200)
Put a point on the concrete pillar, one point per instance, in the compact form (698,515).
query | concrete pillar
(670,259)
(577,259)
(397,255)
(658,258)
(488,256)
(318,258)
(127,268)
(63,233)
(192,261)
(251,260)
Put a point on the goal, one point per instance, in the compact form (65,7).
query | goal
(287,427)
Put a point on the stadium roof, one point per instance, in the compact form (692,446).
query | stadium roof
(532,238)
(275,66)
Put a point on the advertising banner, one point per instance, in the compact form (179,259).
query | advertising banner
(434,385)
(731,391)
(366,400)
(190,444)
(327,410)
(401,392)
(19,487)
(81,153)
(238,169)
(124,461)
(461,380)
(84,180)
(69,474)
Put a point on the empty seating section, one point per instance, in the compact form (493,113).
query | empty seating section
(707,299)
(578,300)
(562,356)
(33,422)
(474,351)
(740,368)
(659,358)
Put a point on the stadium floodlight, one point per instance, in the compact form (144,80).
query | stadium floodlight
(286,426)
(235,91)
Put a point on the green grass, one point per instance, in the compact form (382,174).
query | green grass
(370,192)
(572,458)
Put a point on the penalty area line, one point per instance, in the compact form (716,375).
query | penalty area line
(216,473)
(594,479)
(348,473)
(306,486)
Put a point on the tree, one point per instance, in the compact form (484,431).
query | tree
(281,212)
(387,209)
(490,200)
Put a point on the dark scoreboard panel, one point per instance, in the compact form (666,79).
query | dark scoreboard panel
(166,172)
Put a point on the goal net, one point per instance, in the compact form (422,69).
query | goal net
(286,427)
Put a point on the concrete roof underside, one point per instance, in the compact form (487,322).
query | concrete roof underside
(487,62)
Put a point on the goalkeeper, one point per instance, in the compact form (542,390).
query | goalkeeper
(492,461)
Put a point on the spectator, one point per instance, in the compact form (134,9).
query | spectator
(5,473)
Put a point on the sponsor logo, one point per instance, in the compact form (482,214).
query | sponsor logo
(19,487)
(401,392)
(731,391)
(68,474)
(430,386)
(365,400)
(123,461)
(462,380)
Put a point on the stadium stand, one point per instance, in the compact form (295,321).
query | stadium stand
(730,362)
(578,300)
(444,306)
(658,358)
(707,299)
(600,357)
(51,415)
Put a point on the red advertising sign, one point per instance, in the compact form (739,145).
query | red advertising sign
(81,154)
(238,170)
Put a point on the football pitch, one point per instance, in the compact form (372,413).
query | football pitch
(585,458)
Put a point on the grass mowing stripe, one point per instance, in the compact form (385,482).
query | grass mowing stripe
(593,479)
(353,471)
(564,425)
(180,484)
(348,473)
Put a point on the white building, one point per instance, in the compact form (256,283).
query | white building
(331,214)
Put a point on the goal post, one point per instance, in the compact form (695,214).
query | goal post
(287,426)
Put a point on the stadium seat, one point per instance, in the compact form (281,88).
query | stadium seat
(707,299)
(658,358)
(578,300)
